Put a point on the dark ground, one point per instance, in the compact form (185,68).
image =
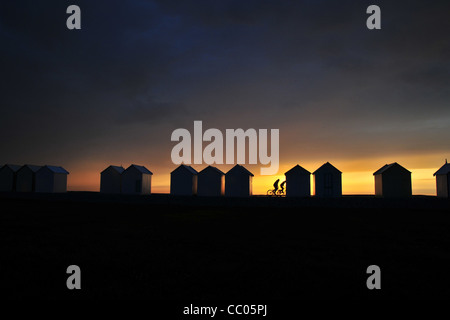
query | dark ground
(260,249)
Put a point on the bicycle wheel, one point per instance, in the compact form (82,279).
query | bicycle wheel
(270,192)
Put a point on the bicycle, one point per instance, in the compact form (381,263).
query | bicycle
(276,193)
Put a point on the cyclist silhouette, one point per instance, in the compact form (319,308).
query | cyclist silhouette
(275,186)
(282,186)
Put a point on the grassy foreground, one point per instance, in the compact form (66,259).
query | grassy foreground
(127,247)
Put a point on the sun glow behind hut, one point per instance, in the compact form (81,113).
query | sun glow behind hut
(183,181)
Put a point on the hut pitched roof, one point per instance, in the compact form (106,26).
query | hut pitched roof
(188,168)
(211,168)
(33,168)
(119,169)
(240,169)
(297,169)
(387,167)
(326,166)
(445,169)
(141,169)
(56,169)
(13,167)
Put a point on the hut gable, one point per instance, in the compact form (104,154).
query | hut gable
(140,169)
(136,180)
(8,177)
(327,181)
(327,167)
(183,181)
(298,182)
(297,170)
(238,182)
(389,168)
(115,169)
(26,178)
(56,169)
(445,169)
(443,181)
(31,167)
(12,167)
(187,169)
(240,170)
(111,179)
(52,179)
(211,182)
(392,180)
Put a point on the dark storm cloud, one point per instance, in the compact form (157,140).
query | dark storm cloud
(70,87)
(149,67)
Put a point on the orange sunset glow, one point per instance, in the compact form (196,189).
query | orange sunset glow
(356,176)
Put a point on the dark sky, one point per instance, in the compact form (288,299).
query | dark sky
(112,92)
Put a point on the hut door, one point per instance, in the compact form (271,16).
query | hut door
(138,187)
(328,184)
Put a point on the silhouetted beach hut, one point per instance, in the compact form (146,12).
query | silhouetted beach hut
(327,181)
(136,180)
(111,179)
(298,182)
(8,175)
(238,182)
(211,182)
(392,180)
(26,178)
(51,179)
(183,181)
(443,181)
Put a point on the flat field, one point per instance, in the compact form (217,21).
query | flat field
(163,247)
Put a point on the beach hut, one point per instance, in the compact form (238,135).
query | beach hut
(298,182)
(211,182)
(26,178)
(183,181)
(51,179)
(392,180)
(111,179)
(136,180)
(8,175)
(238,182)
(327,181)
(443,181)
